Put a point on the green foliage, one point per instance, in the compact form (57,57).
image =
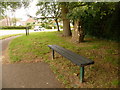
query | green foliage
(1,17)
(77,12)
(48,27)
(116,82)
(7,36)
(12,5)
(30,25)
(47,9)
(6,5)
(99,19)
(43,25)
(105,23)
(13,27)
(50,10)
(61,26)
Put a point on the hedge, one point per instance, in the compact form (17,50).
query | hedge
(14,27)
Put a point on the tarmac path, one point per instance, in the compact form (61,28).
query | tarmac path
(26,75)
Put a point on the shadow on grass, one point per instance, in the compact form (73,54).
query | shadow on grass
(88,41)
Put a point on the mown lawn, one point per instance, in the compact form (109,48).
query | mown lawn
(7,36)
(103,74)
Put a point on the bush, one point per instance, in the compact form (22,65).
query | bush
(55,27)
(107,27)
(61,26)
(14,27)
(43,25)
(48,27)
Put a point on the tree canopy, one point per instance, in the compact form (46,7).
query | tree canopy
(12,5)
(99,19)
(49,10)
(95,18)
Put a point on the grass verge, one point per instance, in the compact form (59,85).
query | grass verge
(103,74)
(7,36)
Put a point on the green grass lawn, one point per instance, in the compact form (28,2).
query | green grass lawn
(7,36)
(103,74)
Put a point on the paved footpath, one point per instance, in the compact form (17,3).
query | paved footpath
(27,75)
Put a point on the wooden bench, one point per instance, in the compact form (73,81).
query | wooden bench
(75,58)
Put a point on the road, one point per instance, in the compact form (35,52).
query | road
(26,75)
(8,32)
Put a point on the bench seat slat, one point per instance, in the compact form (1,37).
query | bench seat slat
(66,55)
(73,55)
(77,59)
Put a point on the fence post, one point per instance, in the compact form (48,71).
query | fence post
(26,31)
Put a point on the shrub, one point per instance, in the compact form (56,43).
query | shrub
(14,27)
(48,27)
(60,26)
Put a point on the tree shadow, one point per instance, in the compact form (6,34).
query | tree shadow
(88,41)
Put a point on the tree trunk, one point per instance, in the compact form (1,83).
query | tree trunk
(66,27)
(56,20)
(78,33)
(66,22)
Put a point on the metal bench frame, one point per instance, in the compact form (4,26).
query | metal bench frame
(75,58)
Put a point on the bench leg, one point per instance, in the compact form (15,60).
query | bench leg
(53,54)
(81,74)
